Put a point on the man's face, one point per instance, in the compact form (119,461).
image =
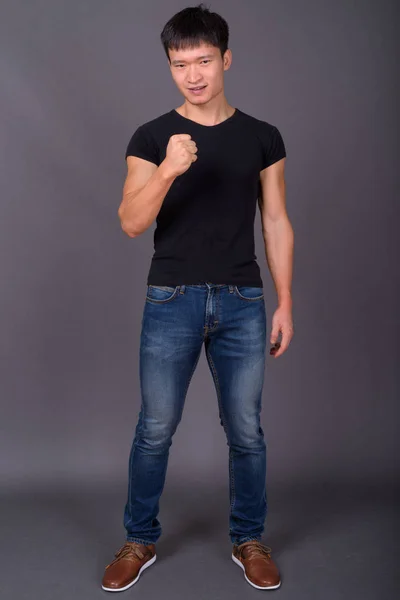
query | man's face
(196,67)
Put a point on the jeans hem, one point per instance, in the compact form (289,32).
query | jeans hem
(138,540)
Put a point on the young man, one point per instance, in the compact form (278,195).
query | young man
(198,170)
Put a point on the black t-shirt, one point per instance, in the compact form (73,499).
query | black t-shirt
(205,227)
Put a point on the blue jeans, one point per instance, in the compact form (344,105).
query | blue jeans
(231,321)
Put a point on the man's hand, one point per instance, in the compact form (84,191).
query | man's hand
(180,153)
(282,322)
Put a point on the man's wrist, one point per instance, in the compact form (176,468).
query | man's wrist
(284,297)
(165,173)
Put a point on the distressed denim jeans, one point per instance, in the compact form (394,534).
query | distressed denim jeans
(231,322)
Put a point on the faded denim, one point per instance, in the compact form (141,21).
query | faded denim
(231,322)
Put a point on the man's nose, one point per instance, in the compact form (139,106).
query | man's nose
(193,76)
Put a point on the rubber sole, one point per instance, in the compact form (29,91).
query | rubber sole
(259,587)
(121,589)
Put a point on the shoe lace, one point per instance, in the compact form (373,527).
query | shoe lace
(128,551)
(257,548)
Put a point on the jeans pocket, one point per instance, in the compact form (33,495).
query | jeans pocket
(161,293)
(247,292)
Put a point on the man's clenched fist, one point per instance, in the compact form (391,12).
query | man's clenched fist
(181,153)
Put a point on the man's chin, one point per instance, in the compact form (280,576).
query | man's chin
(197,101)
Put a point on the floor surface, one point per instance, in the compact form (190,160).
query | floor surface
(331,542)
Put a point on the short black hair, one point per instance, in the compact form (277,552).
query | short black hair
(192,26)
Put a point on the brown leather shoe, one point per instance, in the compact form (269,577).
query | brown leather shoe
(131,560)
(259,568)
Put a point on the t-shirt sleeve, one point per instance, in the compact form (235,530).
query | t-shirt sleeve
(143,145)
(273,147)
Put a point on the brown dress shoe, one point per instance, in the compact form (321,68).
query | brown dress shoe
(131,560)
(259,568)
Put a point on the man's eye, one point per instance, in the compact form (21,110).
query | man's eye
(203,61)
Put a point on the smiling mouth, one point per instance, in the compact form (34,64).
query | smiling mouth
(200,87)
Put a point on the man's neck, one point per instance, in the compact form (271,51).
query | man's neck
(206,114)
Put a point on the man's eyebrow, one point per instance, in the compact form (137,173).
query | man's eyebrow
(174,62)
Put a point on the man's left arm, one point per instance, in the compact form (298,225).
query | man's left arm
(279,243)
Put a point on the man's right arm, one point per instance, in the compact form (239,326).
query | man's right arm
(145,188)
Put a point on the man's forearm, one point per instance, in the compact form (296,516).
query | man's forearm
(141,209)
(279,245)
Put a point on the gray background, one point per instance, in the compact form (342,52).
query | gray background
(77,78)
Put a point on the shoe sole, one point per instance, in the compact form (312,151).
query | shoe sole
(142,568)
(259,587)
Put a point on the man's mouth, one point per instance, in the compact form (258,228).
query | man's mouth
(196,89)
